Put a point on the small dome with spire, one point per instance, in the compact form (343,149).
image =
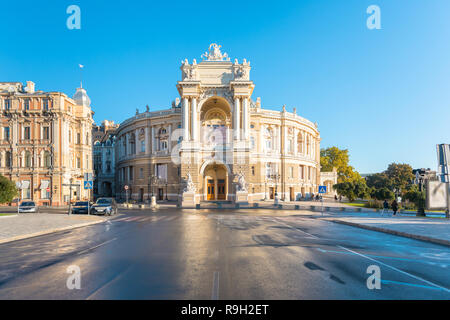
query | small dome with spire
(81,98)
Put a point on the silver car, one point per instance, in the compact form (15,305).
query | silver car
(28,206)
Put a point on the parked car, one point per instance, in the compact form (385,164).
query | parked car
(104,206)
(28,206)
(80,207)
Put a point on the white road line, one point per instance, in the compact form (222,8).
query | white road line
(215,289)
(394,268)
(379,262)
(99,245)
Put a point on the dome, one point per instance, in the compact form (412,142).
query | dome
(81,98)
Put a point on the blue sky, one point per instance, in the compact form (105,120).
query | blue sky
(383,94)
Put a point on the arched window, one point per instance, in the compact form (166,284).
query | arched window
(8,159)
(132,143)
(268,139)
(28,159)
(47,159)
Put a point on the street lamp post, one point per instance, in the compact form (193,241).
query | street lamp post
(167,185)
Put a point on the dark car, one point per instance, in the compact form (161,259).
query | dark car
(106,206)
(80,207)
(28,206)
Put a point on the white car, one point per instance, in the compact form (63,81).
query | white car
(28,206)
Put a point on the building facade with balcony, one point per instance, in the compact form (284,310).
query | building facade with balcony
(216,143)
(45,142)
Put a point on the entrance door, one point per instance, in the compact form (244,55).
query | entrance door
(221,189)
(210,188)
(271,192)
(141,195)
(160,194)
(291,194)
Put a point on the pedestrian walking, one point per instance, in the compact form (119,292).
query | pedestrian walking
(340,198)
(335,198)
(385,207)
(394,206)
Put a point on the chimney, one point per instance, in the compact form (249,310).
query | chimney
(30,87)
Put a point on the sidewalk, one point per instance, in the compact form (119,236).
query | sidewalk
(435,230)
(27,225)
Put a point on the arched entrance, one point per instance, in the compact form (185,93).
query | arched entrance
(215,184)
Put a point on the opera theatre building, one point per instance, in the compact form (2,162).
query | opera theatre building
(216,143)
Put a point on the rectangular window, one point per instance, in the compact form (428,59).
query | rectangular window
(45,104)
(300,173)
(6,133)
(26,189)
(7,104)
(26,104)
(78,138)
(45,184)
(291,172)
(161,171)
(78,163)
(142,145)
(26,133)
(45,133)
(141,173)
(131,173)
(253,170)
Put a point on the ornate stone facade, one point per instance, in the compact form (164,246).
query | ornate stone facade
(45,142)
(219,140)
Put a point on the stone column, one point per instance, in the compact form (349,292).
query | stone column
(245,117)
(194,131)
(169,141)
(295,142)
(237,119)
(153,139)
(185,118)
(147,144)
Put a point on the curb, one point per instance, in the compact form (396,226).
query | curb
(8,216)
(48,231)
(393,232)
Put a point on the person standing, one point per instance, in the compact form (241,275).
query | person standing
(394,206)
(385,207)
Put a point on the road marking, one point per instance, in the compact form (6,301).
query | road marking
(364,256)
(409,284)
(395,269)
(115,278)
(95,247)
(215,289)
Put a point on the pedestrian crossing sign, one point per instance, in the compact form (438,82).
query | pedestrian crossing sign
(88,185)
(322,189)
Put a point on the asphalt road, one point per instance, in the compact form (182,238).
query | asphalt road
(253,254)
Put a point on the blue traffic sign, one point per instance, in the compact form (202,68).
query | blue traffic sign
(88,185)
(322,189)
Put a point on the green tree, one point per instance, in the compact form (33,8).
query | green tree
(383,194)
(8,190)
(352,190)
(334,157)
(379,181)
(400,176)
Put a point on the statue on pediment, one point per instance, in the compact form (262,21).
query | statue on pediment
(214,53)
